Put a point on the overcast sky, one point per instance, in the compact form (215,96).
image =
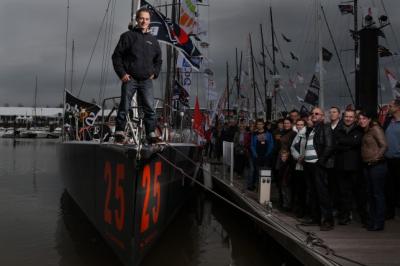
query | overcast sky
(33,43)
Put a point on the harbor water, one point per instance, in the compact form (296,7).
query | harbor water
(41,225)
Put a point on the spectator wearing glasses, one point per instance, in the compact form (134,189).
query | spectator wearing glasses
(317,161)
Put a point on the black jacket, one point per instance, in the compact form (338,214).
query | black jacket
(323,144)
(137,54)
(347,148)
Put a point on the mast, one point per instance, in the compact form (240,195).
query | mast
(265,82)
(321,73)
(253,81)
(273,59)
(356,45)
(34,100)
(237,74)
(72,66)
(227,85)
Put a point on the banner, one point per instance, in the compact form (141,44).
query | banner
(185,71)
(75,108)
(165,30)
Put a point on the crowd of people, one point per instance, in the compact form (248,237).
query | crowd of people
(328,170)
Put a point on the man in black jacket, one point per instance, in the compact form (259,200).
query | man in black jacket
(347,148)
(318,158)
(137,61)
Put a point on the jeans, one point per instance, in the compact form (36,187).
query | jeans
(144,89)
(318,192)
(375,175)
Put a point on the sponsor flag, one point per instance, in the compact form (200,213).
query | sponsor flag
(75,108)
(284,65)
(326,55)
(188,15)
(294,57)
(198,119)
(303,111)
(286,38)
(383,51)
(346,9)
(165,30)
(300,99)
(180,94)
(392,79)
(314,82)
(311,98)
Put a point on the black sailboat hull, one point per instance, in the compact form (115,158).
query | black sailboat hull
(129,201)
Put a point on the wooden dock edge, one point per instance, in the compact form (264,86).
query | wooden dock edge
(292,239)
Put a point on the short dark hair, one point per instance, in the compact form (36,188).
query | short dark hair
(142,9)
(397,102)
(335,107)
(288,119)
(294,111)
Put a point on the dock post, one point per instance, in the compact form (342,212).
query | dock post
(265,186)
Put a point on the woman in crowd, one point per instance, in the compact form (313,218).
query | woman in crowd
(298,149)
(373,148)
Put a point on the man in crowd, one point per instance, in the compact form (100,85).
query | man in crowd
(347,148)
(261,148)
(334,118)
(317,161)
(392,155)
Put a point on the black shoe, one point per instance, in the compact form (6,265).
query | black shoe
(326,226)
(308,222)
(119,137)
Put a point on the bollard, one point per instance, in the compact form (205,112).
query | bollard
(265,186)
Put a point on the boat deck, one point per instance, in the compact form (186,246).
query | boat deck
(345,245)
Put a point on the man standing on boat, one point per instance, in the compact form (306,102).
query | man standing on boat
(137,61)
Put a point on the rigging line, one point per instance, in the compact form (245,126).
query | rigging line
(103,59)
(94,47)
(66,49)
(111,35)
(337,54)
(108,38)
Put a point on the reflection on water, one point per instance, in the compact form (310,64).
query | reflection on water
(41,225)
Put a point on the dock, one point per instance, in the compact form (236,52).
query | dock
(344,245)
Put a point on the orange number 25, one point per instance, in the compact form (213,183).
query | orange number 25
(146,184)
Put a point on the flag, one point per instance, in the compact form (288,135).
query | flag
(314,82)
(188,15)
(198,119)
(392,79)
(185,71)
(76,108)
(383,51)
(284,65)
(180,94)
(286,38)
(346,9)
(300,78)
(311,98)
(165,30)
(383,112)
(294,57)
(303,111)
(326,55)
